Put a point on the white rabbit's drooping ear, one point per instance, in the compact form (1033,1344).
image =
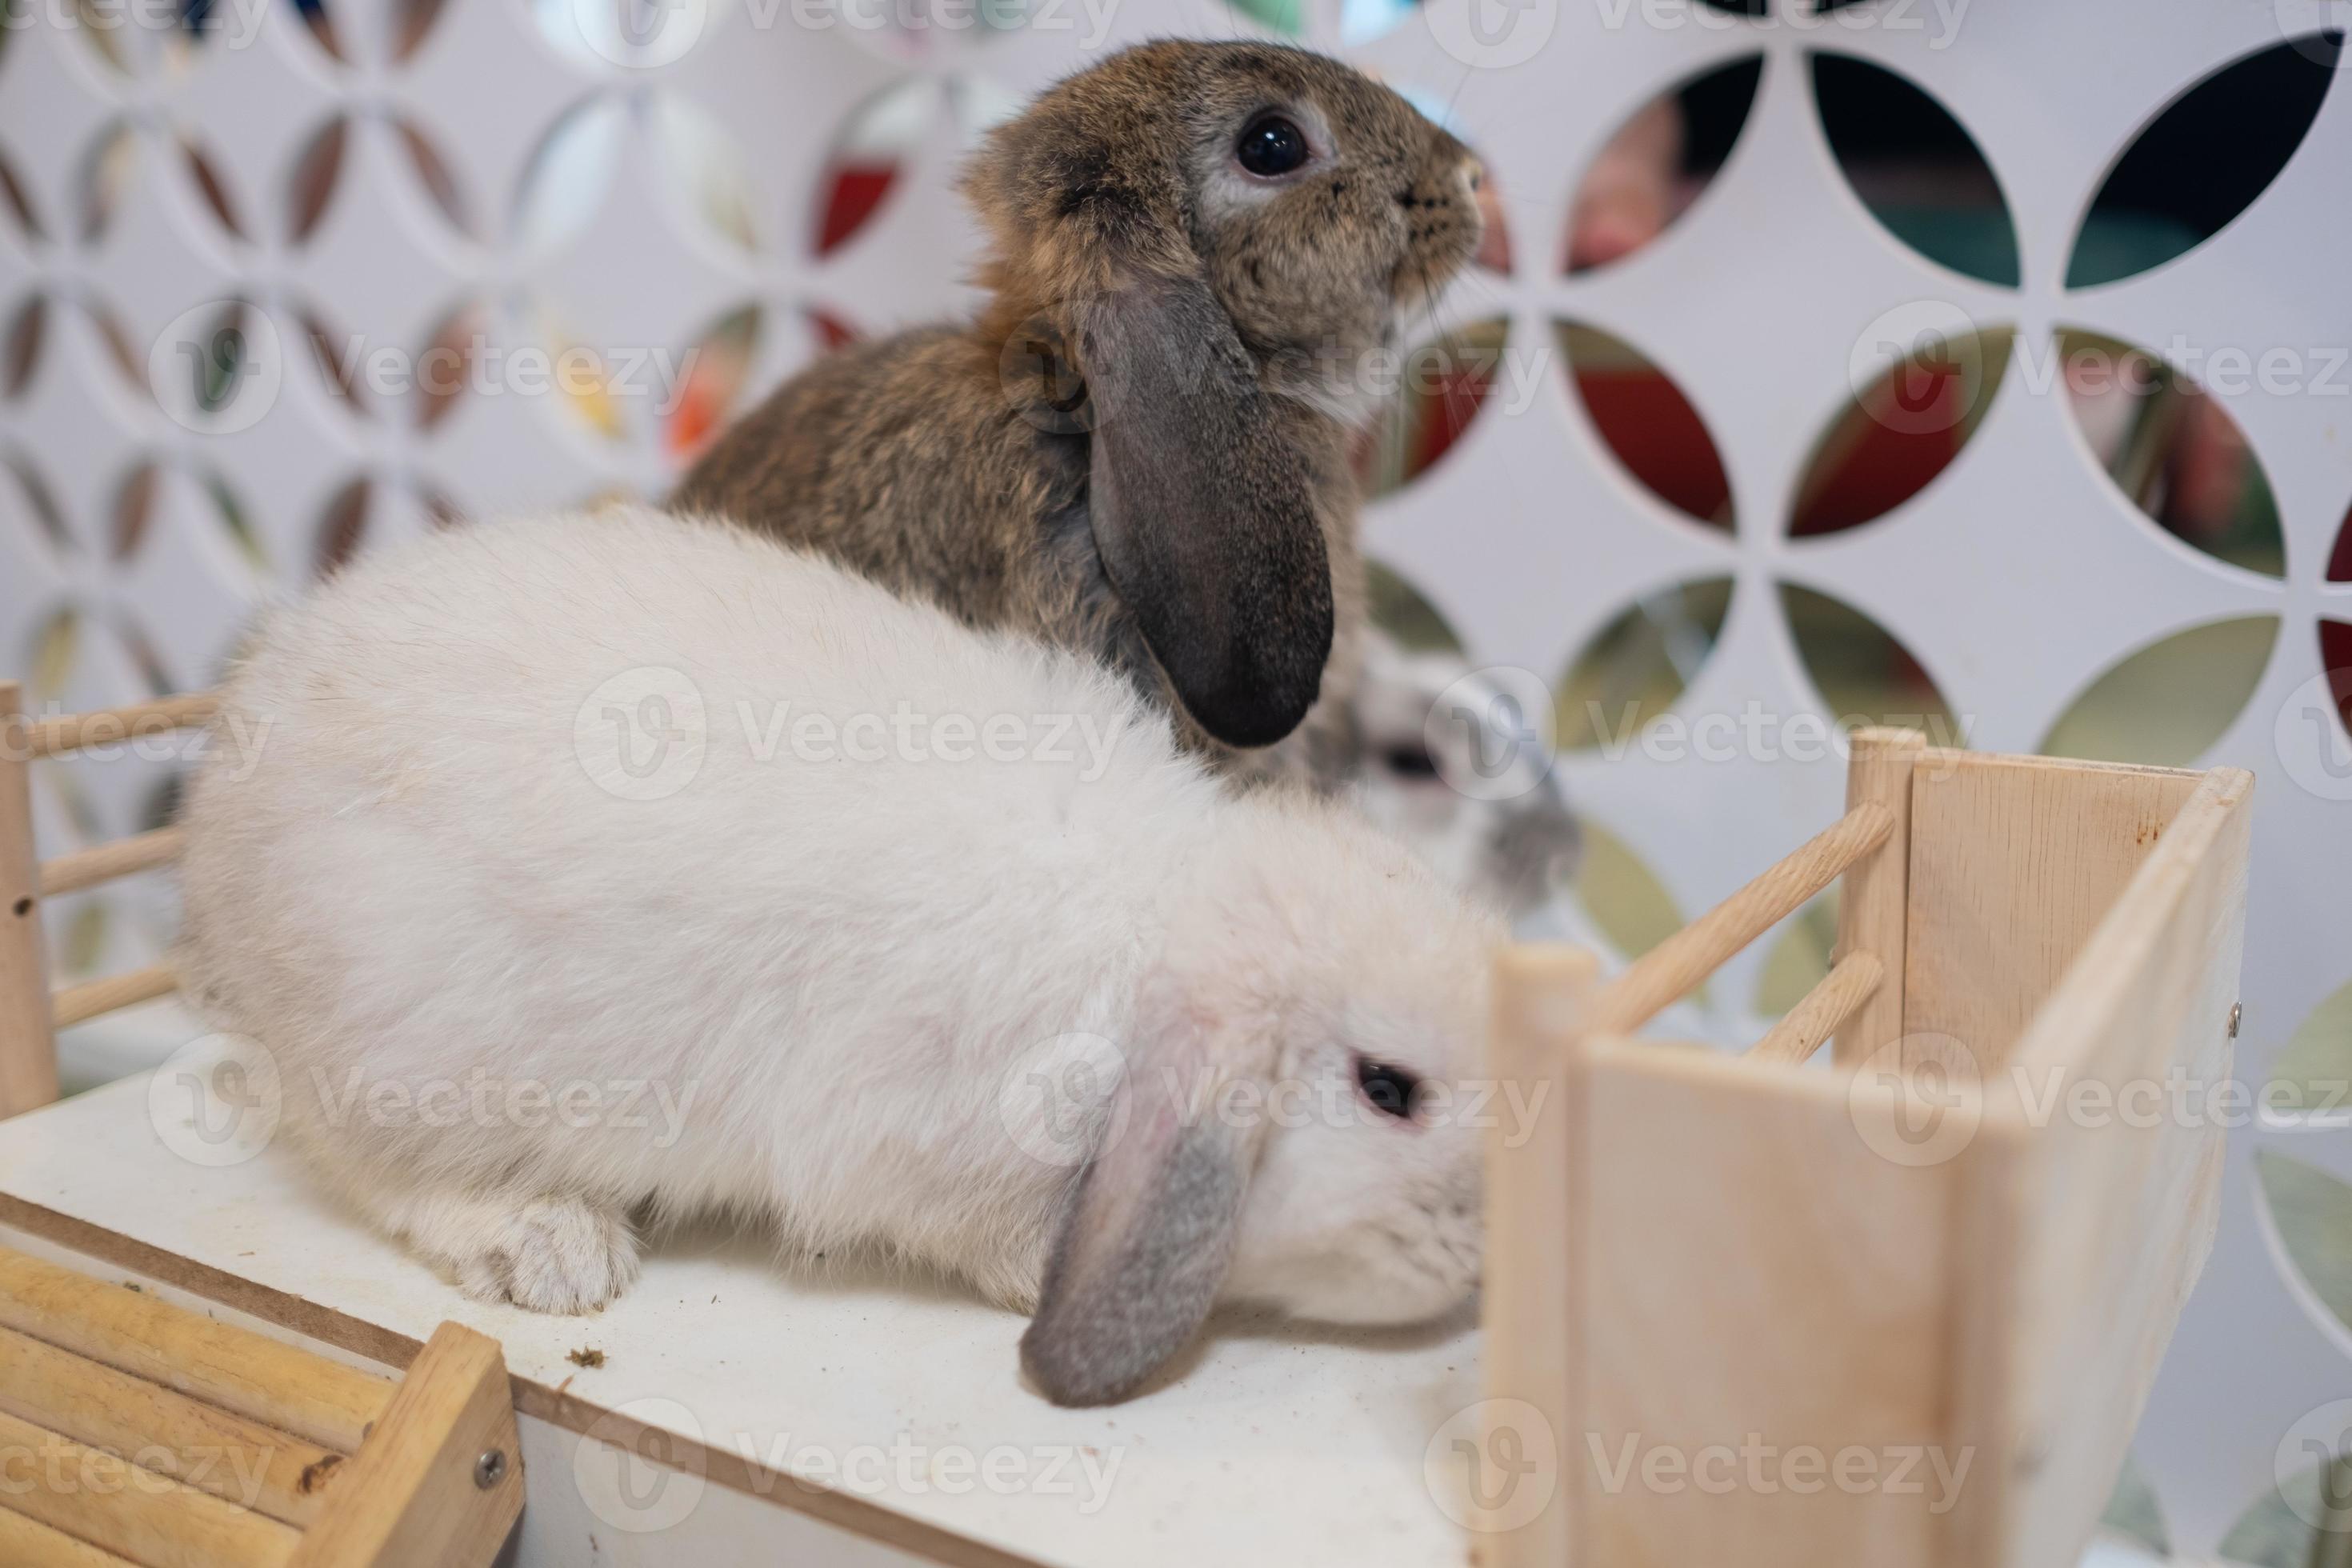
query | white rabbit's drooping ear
(1144,1245)
(1203,511)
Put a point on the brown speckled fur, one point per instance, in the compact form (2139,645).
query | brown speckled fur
(922,462)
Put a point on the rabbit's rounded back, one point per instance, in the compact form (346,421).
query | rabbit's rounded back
(546,785)
(792,876)
(1141,447)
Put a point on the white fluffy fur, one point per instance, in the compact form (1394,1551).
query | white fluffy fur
(1516,843)
(399,875)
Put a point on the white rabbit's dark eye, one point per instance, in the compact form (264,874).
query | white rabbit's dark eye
(1410,762)
(1390,1090)
(1271,147)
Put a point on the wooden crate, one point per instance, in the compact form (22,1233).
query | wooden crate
(136,1432)
(1904,1312)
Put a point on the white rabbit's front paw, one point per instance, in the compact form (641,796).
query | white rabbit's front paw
(551,1255)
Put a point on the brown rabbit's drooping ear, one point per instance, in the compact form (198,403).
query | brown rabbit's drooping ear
(1143,1248)
(1203,510)
(1200,503)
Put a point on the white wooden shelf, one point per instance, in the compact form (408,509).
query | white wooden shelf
(1278,1444)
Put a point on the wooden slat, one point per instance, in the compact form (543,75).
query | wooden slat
(276,1385)
(104,862)
(1541,995)
(1678,965)
(2086,1264)
(28,1052)
(1875,898)
(554,1400)
(50,737)
(1840,993)
(151,1518)
(80,1004)
(2013,861)
(227,1455)
(28,1544)
(1751,1272)
(412,1496)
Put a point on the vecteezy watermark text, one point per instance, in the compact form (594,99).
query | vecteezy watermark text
(1759,1469)
(1061,1101)
(482,1099)
(218,1101)
(645,734)
(1921,1099)
(1494,1465)
(234,23)
(641,1467)
(61,1468)
(146,738)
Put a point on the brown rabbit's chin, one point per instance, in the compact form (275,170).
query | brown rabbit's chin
(1418,281)
(1436,259)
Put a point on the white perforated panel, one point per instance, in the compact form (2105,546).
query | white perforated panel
(530,188)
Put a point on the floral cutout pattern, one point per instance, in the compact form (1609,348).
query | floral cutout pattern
(403,178)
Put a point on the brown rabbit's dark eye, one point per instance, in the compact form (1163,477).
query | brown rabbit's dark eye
(1272,146)
(1390,1090)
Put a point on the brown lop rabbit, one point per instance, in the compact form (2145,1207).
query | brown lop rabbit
(1140,448)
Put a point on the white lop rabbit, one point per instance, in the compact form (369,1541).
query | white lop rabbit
(1426,724)
(576,867)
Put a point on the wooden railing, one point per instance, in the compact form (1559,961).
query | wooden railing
(30,1012)
(1680,964)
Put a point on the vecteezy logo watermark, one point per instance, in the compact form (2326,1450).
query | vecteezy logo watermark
(1493,35)
(1917,1100)
(2321,1440)
(1756,735)
(2318,28)
(217,1100)
(638,35)
(216,368)
(640,1465)
(1928,366)
(1492,1465)
(1060,1102)
(1041,380)
(1490,733)
(1920,1100)
(478,366)
(1903,367)
(642,734)
(2311,741)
